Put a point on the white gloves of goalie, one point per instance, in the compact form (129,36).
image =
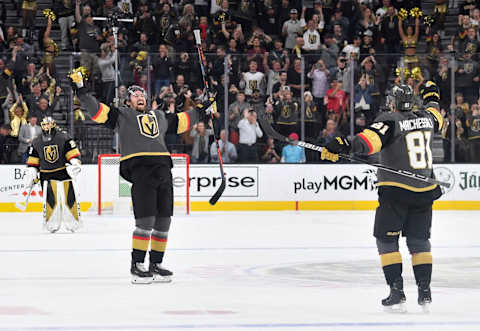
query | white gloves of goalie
(31,177)
(73,168)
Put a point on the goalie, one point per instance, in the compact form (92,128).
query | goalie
(55,157)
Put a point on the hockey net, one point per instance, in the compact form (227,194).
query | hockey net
(114,192)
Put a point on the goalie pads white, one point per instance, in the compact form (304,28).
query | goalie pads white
(60,205)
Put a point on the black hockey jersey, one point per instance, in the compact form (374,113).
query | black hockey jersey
(404,141)
(50,156)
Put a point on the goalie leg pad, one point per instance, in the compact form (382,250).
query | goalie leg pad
(71,207)
(52,209)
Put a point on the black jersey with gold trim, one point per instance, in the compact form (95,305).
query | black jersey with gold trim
(50,156)
(404,141)
(141,134)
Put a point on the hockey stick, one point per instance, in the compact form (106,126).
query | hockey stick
(22,205)
(213,200)
(274,134)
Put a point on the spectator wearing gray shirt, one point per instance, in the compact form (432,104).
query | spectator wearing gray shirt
(291,29)
(105,63)
(228,150)
(200,137)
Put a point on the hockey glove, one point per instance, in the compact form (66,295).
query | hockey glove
(430,93)
(31,177)
(73,168)
(208,107)
(334,147)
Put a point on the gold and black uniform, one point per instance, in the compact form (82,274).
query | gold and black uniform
(50,156)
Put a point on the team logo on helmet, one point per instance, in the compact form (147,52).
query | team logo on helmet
(148,125)
(50,153)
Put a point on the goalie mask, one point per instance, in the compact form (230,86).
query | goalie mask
(136,91)
(48,125)
(403,97)
(137,98)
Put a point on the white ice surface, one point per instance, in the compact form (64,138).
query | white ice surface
(232,271)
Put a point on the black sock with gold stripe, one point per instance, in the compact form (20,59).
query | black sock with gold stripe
(158,247)
(392,266)
(422,266)
(140,242)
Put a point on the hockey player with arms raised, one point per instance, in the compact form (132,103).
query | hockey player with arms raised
(403,138)
(146,163)
(54,154)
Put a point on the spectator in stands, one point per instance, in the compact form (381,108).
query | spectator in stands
(235,111)
(329,51)
(286,113)
(143,44)
(294,79)
(340,20)
(108,9)
(7,104)
(297,51)
(222,20)
(34,97)
(253,79)
(89,36)
(200,137)
(319,77)
(467,77)
(389,35)
(434,49)
(280,86)
(473,124)
(292,153)
(18,115)
(65,12)
(363,99)
(144,23)
(291,29)
(228,150)
(257,54)
(21,54)
(28,132)
(273,75)
(339,36)
(271,154)
(270,22)
(8,145)
(249,131)
(352,50)
(279,54)
(105,63)
(163,68)
(470,42)
(189,69)
(218,64)
(265,40)
(311,38)
(313,116)
(125,7)
(336,99)
(329,133)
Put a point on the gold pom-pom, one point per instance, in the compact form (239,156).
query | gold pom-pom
(416,73)
(402,14)
(416,12)
(78,74)
(405,73)
(142,55)
(428,20)
(49,14)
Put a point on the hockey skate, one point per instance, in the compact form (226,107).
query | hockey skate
(140,274)
(160,274)
(395,302)
(424,295)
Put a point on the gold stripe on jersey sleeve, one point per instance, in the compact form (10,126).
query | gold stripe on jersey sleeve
(183,122)
(374,139)
(422,258)
(129,156)
(438,116)
(102,114)
(52,170)
(408,187)
(390,258)
(33,161)
(72,153)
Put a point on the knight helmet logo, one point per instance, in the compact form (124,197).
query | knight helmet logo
(51,153)
(148,125)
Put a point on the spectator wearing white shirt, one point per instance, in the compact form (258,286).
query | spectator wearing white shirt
(353,49)
(253,79)
(291,29)
(311,38)
(228,150)
(249,132)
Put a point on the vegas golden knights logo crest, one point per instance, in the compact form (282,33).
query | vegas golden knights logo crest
(148,125)
(253,84)
(50,153)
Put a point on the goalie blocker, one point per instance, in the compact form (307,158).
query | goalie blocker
(55,157)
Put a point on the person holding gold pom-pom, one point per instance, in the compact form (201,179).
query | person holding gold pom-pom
(47,44)
(410,36)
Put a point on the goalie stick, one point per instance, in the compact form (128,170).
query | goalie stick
(22,205)
(213,200)
(274,134)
